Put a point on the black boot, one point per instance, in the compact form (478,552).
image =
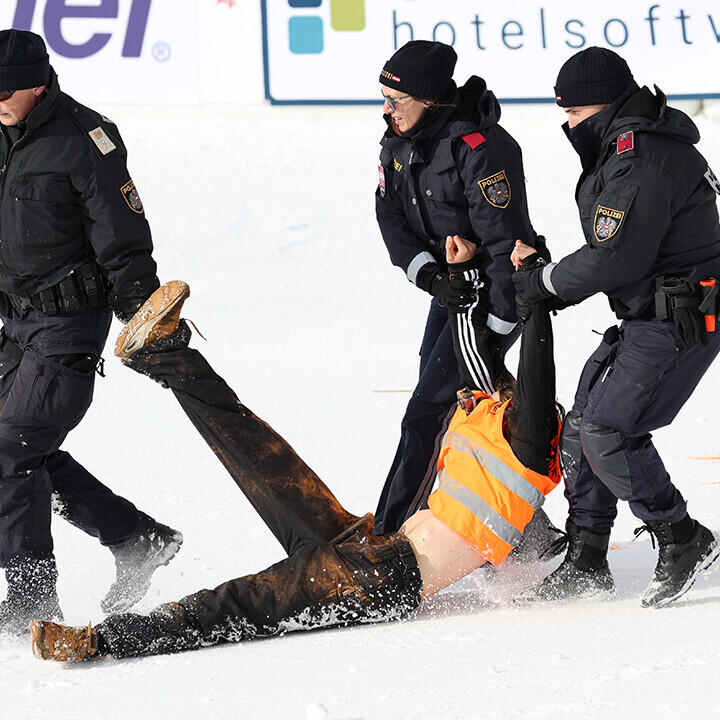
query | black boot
(686,548)
(584,573)
(136,560)
(31,595)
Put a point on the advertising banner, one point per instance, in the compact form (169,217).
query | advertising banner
(319,51)
(148,51)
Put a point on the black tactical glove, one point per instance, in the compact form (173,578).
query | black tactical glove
(529,285)
(683,300)
(453,289)
(464,280)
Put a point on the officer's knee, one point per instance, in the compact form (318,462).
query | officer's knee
(604,449)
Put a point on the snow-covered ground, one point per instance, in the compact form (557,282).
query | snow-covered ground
(268,214)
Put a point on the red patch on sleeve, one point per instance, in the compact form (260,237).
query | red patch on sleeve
(474,139)
(625,142)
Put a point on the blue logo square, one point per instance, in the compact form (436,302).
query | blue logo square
(306,35)
(305,3)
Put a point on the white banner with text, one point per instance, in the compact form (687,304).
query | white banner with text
(183,52)
(333,50)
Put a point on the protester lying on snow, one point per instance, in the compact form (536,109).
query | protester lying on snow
(498,461)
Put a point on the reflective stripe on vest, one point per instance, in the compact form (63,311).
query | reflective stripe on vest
(494,522)
(485,494)
(496,467)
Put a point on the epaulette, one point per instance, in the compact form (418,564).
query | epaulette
(91,124)
(625,142)
(474,139)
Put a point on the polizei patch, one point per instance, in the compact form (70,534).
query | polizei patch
(131,197)
(496,189)
(607,222)
(381,180)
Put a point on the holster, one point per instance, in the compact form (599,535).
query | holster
(673,294)
(85,288)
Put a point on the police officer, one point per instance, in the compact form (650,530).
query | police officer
(74,247)
(447,168)
(647,202)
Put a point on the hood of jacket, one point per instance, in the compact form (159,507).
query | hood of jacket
(477,104)
(644,111)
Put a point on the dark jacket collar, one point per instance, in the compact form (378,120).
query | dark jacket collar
(589,136)
(430,122)
(41,113)
(636,110)
(470,107)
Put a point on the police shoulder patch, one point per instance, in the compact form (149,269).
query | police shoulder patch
(496,189)
(607,222)
(103,143)
(132,198)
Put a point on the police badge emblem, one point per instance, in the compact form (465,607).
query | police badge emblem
(132,198)
(607,222)
(496,189)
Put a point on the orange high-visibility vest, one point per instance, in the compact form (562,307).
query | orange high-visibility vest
(485,494)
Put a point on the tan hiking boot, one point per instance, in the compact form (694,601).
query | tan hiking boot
(157,318)
(51,641)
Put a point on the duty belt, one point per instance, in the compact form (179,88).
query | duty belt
(83,289)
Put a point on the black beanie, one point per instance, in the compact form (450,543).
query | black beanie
(595,76)
(24,62)
(421,68)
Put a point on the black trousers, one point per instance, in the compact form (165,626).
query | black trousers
(424,423)
(635,382)
(336,573)
(45,390)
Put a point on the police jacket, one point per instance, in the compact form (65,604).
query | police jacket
(461,174)
(66,197)
(647,203)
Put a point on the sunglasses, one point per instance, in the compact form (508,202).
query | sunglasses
(392,102)
(6,95)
